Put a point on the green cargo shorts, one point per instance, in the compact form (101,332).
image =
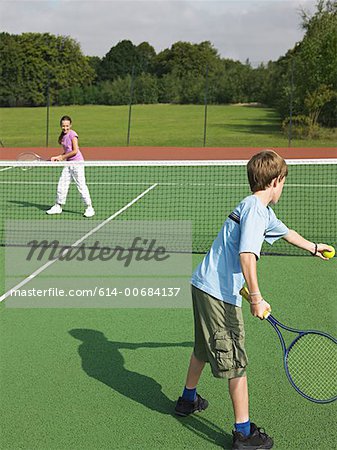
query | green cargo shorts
(219,335)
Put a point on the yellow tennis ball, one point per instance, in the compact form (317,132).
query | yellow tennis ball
(329,254)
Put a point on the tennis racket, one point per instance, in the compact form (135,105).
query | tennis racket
(310,361)
(29,157)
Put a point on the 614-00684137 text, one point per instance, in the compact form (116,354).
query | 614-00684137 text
(99,292)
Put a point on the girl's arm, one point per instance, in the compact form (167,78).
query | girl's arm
(66,156)
(299,241)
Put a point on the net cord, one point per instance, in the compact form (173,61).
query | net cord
(136,163)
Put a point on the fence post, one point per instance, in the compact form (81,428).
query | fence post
(206,101)
(291,103)
(130,105)
(48,107)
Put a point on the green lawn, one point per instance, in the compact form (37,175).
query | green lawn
(152,125)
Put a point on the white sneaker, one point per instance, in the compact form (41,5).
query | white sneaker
(56,209)
(89,212)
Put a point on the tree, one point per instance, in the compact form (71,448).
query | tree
(124,58)
(146,89)
(95,63)
(145,57)
(311,64)
(11,85)
(182,71)
(184,57)
(315,101)
(31,61)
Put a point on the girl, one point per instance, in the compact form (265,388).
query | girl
(71,152)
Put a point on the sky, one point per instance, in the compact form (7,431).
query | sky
(260,30)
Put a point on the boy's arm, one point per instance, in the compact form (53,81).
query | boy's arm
(257,304)
(296,239)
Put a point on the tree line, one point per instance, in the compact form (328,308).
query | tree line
(301,85)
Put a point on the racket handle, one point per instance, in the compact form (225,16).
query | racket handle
(245,294)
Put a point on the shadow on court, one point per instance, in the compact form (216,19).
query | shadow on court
(41,207)
(102,360)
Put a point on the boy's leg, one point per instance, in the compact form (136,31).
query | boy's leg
(246,434)
(194,372)
(190,401)
(238,390)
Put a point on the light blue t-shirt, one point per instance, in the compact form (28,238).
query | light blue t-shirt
(251,222)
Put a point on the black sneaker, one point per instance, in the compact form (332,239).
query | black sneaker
(185,408)
(257,439)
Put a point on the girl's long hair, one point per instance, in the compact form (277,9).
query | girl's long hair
(62,134)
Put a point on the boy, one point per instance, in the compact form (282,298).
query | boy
(218,322)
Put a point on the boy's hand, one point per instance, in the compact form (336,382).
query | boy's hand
(259,308)
(323,248)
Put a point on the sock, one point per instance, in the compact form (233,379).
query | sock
(243,428)
(189,394)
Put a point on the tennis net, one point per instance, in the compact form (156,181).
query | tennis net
(203,192)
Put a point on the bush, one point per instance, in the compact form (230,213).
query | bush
(145,89)
(300,126)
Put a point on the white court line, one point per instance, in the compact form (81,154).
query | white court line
(49,263)
(6,168)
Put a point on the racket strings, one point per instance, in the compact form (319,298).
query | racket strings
(312,365)
(29,157)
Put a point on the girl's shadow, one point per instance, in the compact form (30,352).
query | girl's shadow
(102,360)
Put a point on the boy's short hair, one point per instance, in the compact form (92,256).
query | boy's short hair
(263,168)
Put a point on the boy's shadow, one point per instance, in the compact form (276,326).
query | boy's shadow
(102,360)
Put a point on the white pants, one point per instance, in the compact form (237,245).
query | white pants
(68,174)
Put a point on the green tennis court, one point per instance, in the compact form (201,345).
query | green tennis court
(109,378)
(61,391)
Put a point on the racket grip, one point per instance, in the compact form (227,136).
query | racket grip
(245,294)
(266,314)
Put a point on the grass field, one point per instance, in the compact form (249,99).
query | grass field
(152,125)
